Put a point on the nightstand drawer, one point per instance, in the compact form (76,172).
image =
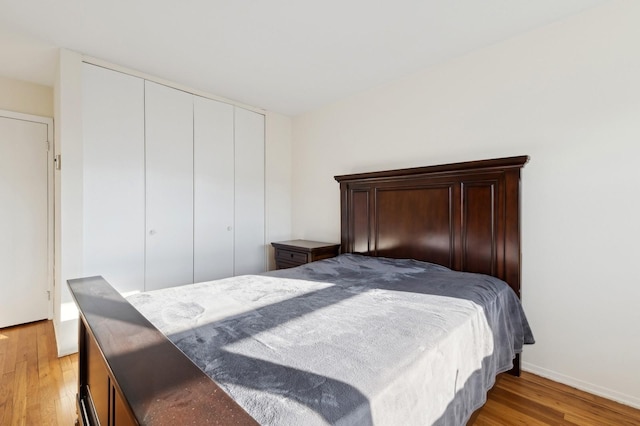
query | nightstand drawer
(280,264)
(289,256)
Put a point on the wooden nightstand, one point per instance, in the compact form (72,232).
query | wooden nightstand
(298,252)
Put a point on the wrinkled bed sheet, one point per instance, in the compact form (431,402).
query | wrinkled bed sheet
(352,340)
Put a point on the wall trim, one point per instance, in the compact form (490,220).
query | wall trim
(582,385)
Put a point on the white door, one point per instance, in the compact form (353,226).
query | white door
(24,232)
(169,186)
(113,161)
(213,189)
(250,250)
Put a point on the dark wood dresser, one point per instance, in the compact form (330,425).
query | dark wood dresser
(298,252)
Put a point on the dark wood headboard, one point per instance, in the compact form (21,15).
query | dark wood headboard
(465,216)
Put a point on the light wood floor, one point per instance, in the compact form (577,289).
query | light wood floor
(533,400)
(38,388)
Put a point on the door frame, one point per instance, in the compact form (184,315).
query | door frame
(48,121)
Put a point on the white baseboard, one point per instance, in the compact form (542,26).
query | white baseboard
(622,398)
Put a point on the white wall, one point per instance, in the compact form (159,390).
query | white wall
(568,95)
(278,178)
(69,187)
(25,97)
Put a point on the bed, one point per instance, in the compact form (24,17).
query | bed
(347,340)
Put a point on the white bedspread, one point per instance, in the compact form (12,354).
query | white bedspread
(342,350)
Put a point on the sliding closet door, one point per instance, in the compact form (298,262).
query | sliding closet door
(213,189)
(113,177)
(250,252)
(169,186)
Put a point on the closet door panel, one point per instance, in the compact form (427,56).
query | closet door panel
(113,177)
(250,253)
(213,189)
(169,186)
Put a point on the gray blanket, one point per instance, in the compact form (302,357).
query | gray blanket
(348,340)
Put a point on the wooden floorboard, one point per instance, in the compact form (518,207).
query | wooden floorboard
(38,388)
(531,400)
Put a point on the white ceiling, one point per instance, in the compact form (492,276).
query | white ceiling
(288,56)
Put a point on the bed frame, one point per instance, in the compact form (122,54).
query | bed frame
(465,216)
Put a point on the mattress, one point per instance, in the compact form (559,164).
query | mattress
(352,340)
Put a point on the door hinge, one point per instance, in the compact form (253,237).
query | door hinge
(48,294)
(48,146)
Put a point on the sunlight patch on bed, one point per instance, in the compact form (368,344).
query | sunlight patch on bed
(383,351)
(183,308)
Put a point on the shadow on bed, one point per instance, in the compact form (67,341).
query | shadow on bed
(211,346)
(331,399)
